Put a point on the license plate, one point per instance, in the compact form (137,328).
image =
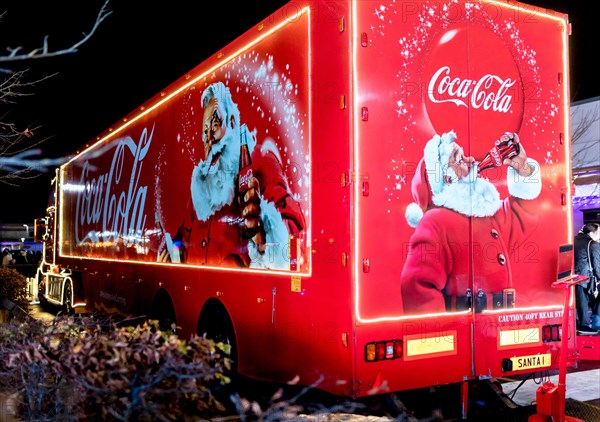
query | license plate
(531,362)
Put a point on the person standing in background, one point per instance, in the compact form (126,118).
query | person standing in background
(7,259)
(587,263)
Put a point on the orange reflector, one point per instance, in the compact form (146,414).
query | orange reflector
(370,352)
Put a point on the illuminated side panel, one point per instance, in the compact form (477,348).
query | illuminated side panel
(149,190)
(420,248)
(419,346)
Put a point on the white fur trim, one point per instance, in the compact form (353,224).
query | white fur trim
(528,187)
(276,254)
(172,249)
(413,214)
(436,155)
(269,145)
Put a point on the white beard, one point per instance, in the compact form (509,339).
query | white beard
(213,186)
(471,196)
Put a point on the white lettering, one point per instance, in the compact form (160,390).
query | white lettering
(114,201)
(490,92)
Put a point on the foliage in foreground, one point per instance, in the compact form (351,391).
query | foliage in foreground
(74,369)
(13,286)
(84,368)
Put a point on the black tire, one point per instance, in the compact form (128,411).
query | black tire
(163,311)
(216,325)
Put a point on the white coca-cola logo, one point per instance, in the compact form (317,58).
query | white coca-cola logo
(496,156)
(245,178)
(489,92)
(111,205)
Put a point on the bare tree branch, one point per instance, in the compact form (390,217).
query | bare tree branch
(45,52)
(14,86)
(584,121)
(20,155)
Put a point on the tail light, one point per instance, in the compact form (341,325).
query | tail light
(383,350)
(551,333)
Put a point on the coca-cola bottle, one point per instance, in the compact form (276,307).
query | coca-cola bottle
(244,176)
(245,171)
(504,148)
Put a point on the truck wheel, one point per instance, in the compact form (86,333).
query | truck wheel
(163,311)
(214,322)
(68,298)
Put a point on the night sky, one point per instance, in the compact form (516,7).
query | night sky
(141,48)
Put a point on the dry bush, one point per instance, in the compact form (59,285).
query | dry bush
(13,286)
(73,369)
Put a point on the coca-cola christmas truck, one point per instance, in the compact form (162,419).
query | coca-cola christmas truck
(316,193)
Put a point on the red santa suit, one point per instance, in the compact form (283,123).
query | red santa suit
(464,235)
(212,230)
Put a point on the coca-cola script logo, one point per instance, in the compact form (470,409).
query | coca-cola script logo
(489,92)
(111,205)
(473,86)
(244,178)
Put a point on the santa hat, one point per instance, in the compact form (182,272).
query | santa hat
(429,177)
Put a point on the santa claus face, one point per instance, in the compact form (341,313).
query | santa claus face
(459,163)
(213,129)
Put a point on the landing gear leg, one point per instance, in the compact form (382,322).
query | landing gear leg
(464,397)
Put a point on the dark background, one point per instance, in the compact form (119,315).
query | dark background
(141,48)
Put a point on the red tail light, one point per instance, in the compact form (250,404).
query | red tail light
(384,350)
(551,333)
(380,351)
(398,349)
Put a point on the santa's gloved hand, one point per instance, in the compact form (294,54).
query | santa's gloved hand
(519,161)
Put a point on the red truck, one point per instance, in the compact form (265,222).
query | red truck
(367,195)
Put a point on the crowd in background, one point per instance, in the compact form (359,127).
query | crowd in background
(25,262)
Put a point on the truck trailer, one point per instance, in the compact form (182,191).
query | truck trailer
(367,196)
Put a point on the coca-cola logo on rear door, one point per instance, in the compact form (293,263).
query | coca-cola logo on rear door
(489,92)
(473,84)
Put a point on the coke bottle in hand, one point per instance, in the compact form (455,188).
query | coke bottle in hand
(245,175)
(505,147)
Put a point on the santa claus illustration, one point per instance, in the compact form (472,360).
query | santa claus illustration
(225,225)
(464,232)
